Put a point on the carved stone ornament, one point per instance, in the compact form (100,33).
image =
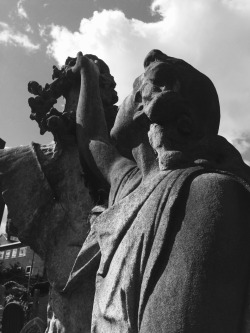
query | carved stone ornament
(67,85)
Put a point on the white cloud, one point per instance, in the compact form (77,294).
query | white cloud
(42,31)
(242,5)
(21,11)
(242,144)
(212,35)
(9,36)
(28,28)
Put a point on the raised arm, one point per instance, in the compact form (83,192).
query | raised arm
(94,146)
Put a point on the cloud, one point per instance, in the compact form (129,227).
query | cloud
(241,5)
(211,35)
(243,145)
(28,28)
(20,10)
(11,37)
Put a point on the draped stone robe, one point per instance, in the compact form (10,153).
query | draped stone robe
(170,263)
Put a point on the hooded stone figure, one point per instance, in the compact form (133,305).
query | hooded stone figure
(174,242)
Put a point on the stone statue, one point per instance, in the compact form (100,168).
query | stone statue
(174,241)
(49,196)
(171,251)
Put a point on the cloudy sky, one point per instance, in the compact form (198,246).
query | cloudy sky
(213,35)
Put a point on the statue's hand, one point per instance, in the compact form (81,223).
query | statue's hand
(86,66)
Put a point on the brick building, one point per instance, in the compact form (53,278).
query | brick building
(14,251)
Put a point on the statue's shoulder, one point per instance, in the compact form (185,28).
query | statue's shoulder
(217,201)
(213,181)
(218,189)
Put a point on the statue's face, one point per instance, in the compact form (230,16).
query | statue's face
(161,87)
(166,90)
(158,78)
(107,89)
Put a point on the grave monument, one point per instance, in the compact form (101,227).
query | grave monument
(154,235)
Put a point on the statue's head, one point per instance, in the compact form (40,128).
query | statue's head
(106,82)
(172,94)
(62,124)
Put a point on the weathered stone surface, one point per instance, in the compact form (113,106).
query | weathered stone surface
(54,221)
(36,325)
(173,244)
(49,196)
(175,241)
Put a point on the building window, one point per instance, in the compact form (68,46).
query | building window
(13,239)
(1,254)
(28,270)
(22,251)
(14,253)
(7,254)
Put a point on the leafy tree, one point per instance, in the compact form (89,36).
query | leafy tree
(12,273)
